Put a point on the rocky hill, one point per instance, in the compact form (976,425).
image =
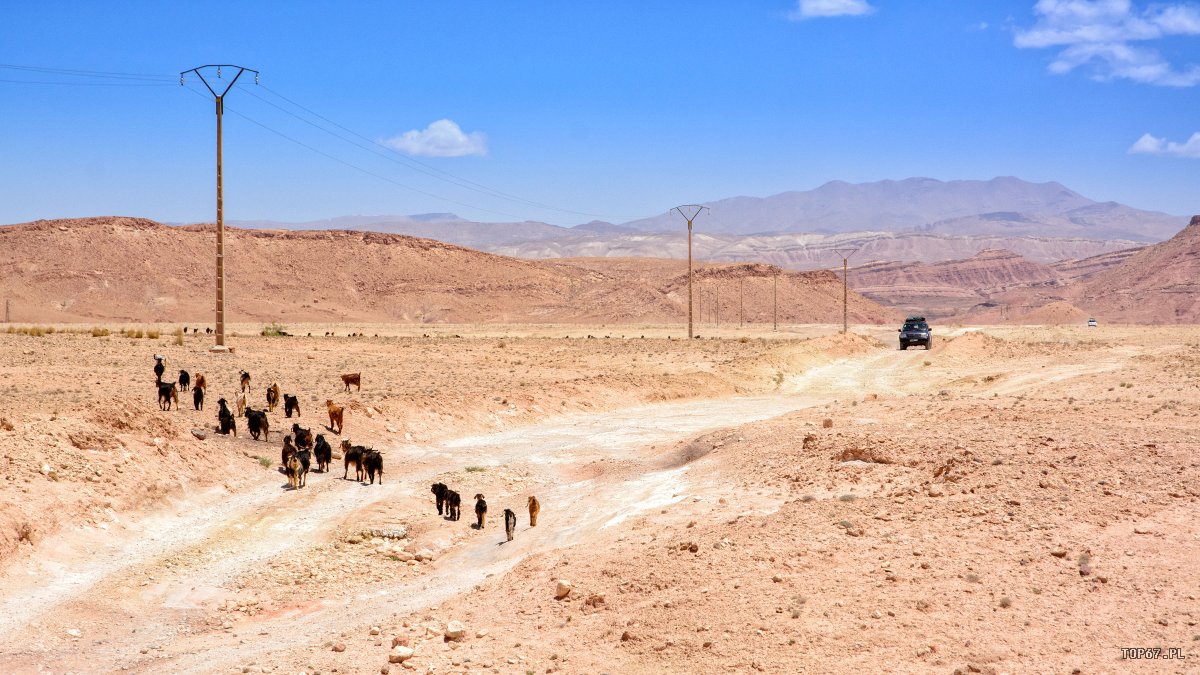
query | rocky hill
(131,269)
(1158,284)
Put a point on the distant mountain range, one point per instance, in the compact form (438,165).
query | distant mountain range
(917,219)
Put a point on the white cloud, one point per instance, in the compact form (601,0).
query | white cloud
(1149,145)
(1098,33)
(442,138)
(809,9)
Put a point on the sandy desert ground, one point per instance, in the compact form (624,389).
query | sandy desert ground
(1014,500)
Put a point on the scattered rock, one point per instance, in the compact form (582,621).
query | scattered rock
(482,632)
(827,424)
(339,647)
(1143,530)
(375,630)
(200,434)
(1059,553)
(400,654)
(562,589)
(424,555)
(455,630)
(74,632)
(401,641)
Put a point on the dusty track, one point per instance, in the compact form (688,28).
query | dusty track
(135,587)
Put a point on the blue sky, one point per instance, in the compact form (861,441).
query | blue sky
(580,109)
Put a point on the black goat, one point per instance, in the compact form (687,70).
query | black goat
(510,523)
(291,404)
(166,394)
(323,454)
(198,398)
(287,452)
(258,424)
(353,454)
(185,380)
(304,437)
(373,463)
(225,416)
(439,492)
(453,505)
(480,512)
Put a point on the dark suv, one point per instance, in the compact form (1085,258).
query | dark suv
(916,332)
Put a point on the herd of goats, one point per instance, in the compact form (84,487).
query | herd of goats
(301,449)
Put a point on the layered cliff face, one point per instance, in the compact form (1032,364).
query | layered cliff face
(1157,284)
(948,288)
(131,269)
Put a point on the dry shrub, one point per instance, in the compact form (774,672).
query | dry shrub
(99,332)
(179,336)
(153,334)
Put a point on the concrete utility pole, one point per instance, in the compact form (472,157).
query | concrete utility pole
(741,317)
(845,253)
(7,311)
(219,346)
(689,213)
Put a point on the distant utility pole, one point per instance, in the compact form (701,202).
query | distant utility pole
(775,301)
(717,293)
(689,213)
(220,98)
(845,253)
(740,315)
(7,311)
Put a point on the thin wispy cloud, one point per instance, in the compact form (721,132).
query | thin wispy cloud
(1149,145)
(1112,38)
(442,138)
(812,9)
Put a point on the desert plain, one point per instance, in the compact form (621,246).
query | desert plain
(1017,499)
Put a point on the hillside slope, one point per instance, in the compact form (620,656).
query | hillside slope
(131,269)
(1158,284)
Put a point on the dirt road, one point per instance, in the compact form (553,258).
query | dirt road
(139,590)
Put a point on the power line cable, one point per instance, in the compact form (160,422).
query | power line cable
(393,158)
(91,84)
(355,166)
(88,73)
(427,168)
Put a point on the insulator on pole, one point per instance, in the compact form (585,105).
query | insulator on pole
(218,71)
(256,78)
(181,79)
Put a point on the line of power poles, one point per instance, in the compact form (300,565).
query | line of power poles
(219,346)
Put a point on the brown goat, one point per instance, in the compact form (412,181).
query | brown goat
(352,379)
(535,507)
(335,416)
(200,382)
(272,396)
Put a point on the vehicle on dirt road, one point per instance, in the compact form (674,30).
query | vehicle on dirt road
(916,331)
